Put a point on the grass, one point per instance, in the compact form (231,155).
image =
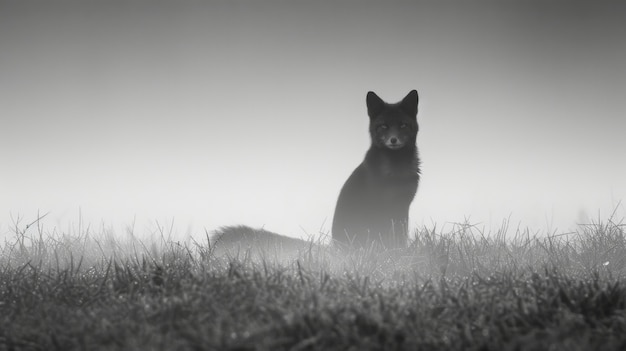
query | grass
(453,289)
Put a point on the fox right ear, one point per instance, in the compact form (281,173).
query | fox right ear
(409,103)
(374,104)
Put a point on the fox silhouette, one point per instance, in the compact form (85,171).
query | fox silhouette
(373,204)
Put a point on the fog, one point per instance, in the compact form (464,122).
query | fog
(139,114)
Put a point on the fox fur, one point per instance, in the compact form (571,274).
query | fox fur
(373,204)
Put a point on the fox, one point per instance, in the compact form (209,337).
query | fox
(373,204)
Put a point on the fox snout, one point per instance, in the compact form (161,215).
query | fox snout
(394,140)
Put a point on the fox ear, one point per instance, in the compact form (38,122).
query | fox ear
(374,104)
(409,103)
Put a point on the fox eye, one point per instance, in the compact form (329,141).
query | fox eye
(383,126)
(403,125)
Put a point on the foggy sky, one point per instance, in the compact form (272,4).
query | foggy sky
(250,112)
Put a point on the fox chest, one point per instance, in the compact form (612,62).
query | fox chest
(393,191)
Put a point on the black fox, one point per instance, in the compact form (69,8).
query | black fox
(373,205)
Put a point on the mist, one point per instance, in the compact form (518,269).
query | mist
(204,114)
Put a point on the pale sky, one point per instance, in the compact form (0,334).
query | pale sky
(253,112)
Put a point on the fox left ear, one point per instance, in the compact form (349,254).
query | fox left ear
(374,104)
(409,103)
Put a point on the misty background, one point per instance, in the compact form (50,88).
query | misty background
(212,113)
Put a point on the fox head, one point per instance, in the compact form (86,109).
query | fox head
(393,126)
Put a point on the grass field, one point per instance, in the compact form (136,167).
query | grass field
(456,288)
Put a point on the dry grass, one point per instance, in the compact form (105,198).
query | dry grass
(454,289)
